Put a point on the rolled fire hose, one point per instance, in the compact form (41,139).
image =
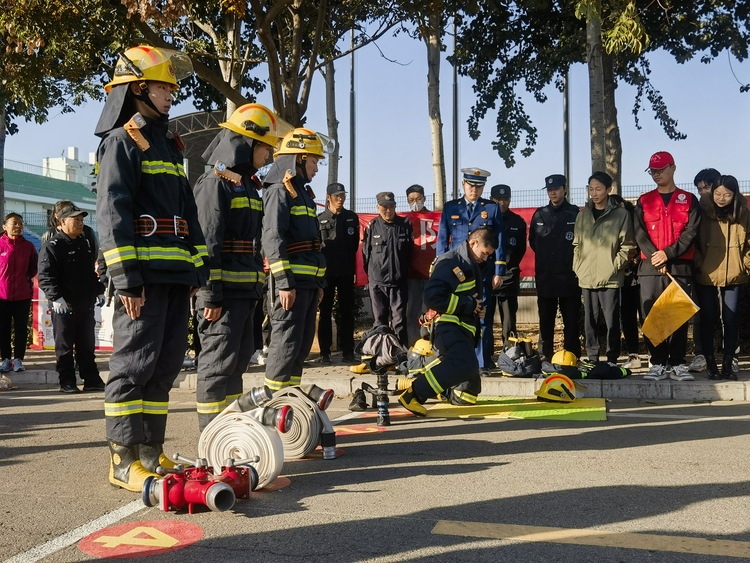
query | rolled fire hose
(241,435)
(309,421)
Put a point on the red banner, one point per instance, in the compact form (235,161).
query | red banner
(426,227)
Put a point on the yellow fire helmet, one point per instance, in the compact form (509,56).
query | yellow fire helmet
(144,62)
(565,358)
(257,122)
(559,388)
(423,347)
(306,141)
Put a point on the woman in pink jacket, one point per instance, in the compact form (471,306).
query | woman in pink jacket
(18,266)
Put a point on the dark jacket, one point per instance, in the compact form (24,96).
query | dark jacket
(231,218)
(134,184)
(66,269)
(551,239)
(387,250)
(339,234)
(289,220)
(514,231)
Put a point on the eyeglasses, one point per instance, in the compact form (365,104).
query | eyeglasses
(655,171)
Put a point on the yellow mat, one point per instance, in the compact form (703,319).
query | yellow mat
(522,407)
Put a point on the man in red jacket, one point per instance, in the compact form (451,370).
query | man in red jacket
(666,224)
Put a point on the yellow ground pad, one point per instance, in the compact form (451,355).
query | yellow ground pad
(522,407)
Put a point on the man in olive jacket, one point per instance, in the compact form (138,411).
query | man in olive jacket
(603,236)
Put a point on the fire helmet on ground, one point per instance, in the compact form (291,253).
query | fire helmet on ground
(557,388)
(564,358)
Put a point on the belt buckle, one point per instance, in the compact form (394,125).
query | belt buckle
(153,222)
(176,219)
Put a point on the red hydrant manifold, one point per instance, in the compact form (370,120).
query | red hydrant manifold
(197,485)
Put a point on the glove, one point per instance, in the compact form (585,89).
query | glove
(60,306)
(100,300)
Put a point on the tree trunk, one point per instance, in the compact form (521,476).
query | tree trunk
(595,54)
(432,39)
(333,123)
(613,143)
(2,159)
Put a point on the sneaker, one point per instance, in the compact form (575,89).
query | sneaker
(262,356)
(681,372)
(18,365)
(6,365)
(254,358)
(698,364)
(348,359)
(656,373)
(322,359)
(634,362)
(735,366)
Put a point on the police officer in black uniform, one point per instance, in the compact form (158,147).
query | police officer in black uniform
(230,211)
(154,250)
(514,231)
(454,291)
(339,234)
(387,248)
(291,242)
(551,239)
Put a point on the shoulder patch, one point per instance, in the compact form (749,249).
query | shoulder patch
(459,274)
(221,170)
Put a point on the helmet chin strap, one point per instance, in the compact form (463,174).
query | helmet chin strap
(303,168)
(144,97)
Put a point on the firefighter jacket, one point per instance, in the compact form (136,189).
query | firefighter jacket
(145,211)
(601,246)
(66,269)
(514,235)
(18,266)
(669,227)
(722,250)
(386,251)
(456,223)
(230,212)
(291,237)
(454,286)
(339,234)
(551,239)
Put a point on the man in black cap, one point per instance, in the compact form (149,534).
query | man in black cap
(339,238)
(415,198)
(514,234)
(386,251)
(551,239)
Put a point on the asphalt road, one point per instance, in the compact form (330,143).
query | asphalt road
(657,482)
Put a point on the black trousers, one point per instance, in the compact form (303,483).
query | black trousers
(608,300)
(630,310)
(672,350)
(147,358)
(508,307)
(344,287)
(456,373)
(570,308)
(74,334)
(389,309)
(414,309)
(226,348)
(292,335)
(14,315)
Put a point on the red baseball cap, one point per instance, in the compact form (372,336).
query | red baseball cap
(660,160)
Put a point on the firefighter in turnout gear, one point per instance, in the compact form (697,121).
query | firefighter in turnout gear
(454,291)
(230,211)
(291,243)
(154,249)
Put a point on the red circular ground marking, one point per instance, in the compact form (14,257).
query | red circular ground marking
(141,539)
(277,484)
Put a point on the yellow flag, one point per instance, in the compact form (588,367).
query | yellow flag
(672,309)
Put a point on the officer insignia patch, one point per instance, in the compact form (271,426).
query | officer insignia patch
(485,215)
(350,231)
(512,241)
(459,274)
(569,235)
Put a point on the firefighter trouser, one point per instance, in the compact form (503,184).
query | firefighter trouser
(456,364)
(344,286)
(147,358)
(226,348)
(292,335)
(74,333)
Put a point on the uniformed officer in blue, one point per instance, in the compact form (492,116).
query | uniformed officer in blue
(460,217)
(454,291)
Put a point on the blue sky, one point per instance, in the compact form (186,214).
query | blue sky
(393,136)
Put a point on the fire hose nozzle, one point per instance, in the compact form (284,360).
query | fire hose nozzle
(256,397)
(328,444)
(280,418)
(322,397)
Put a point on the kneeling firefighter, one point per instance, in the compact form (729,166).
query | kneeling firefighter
(454,291)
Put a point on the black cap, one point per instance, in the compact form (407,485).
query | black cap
(499,191)
(335,188)
(386,198)
(72,211)
(554,181)
(415,188)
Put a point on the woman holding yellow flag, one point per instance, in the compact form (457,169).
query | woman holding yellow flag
(722,260)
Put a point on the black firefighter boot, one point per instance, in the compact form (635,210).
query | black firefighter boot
(152,456)
(726,368)
(125,469)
